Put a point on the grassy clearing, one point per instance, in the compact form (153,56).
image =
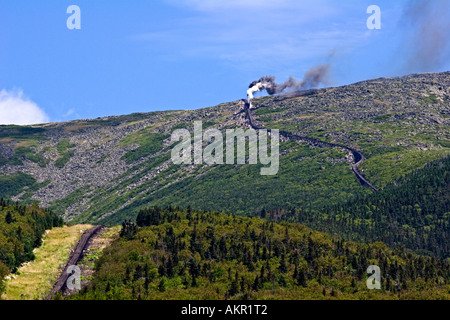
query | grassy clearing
(63,148)
(35,279)
(148,142)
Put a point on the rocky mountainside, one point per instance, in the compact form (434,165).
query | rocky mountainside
(103,170)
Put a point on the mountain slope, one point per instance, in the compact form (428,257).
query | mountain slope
(187,255)
(413,213)
(105,170)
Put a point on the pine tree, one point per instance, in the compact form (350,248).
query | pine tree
(255,285)
(234,286)
(263,213)
(301,280)
(283,267)
(9,218)
(162,285)
(242,284)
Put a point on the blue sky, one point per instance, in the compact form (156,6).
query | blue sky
(142,56)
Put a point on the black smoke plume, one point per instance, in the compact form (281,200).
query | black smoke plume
(313,78)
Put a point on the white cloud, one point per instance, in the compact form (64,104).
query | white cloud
(17,109)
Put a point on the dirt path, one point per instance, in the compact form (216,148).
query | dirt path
(357,155)
(74,258)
